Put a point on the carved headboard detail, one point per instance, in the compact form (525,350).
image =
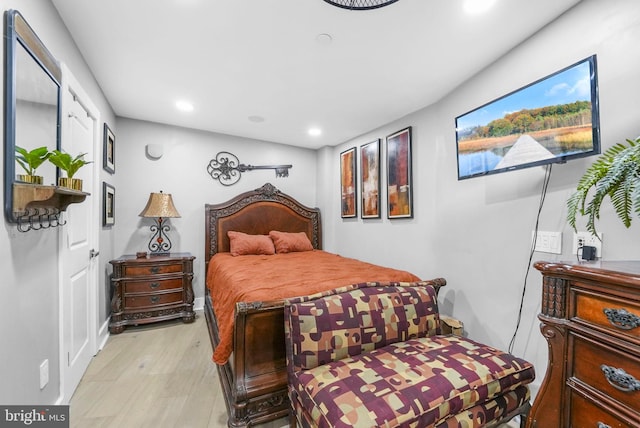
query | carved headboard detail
(258,212)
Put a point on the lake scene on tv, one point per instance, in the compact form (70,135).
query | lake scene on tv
(547,121)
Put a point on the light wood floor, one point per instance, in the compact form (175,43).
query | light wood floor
(159,375)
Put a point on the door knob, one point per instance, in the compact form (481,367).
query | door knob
(93,253)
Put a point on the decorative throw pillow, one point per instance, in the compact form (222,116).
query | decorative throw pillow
(288,242)
(242,244)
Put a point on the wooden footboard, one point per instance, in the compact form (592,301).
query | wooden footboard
(255,377)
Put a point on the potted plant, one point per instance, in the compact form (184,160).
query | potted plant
(30,161)
(70,165)
(616,173)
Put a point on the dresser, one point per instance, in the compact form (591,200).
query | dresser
(590,318)
(150,289)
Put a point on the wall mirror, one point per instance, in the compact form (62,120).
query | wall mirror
(32,102)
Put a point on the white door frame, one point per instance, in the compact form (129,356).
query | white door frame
(70,84)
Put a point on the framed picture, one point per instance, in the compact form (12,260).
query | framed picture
(399,186)
(348,183)
(108,204)
(108,152)
(370,179)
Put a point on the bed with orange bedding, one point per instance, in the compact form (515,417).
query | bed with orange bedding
(245,294)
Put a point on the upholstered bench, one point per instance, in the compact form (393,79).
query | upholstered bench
(371,355)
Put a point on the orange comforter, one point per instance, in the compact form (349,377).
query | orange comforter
(275,277)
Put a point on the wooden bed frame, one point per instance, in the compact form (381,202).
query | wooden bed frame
(254,379)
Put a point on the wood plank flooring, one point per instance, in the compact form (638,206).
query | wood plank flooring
(157,376)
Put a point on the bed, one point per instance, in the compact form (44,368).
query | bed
(253,377)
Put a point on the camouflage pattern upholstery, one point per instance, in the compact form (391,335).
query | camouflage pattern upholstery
(370,355)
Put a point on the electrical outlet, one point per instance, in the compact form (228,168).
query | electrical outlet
(581,239)
(44,374)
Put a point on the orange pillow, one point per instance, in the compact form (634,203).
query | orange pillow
(242,244)
(288,242)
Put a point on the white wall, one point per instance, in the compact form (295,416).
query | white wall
(182,171)
(29,288)
(476,233)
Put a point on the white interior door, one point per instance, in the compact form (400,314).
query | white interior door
(78,254)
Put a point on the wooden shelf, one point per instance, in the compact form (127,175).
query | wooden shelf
(30,196)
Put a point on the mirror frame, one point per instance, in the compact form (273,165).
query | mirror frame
(18,31)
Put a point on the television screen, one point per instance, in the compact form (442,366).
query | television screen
(554,119)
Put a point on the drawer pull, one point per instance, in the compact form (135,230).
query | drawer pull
(154,285)
(620,379)
(154,299)
(622,318)
(155,269)
(603,425)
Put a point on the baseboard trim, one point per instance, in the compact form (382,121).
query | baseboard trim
(198,304)
(103,334)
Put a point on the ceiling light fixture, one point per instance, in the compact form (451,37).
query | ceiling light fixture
(478,6)
(314,132)
(184,106)
(360,4)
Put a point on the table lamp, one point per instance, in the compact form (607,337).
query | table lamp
(160,206)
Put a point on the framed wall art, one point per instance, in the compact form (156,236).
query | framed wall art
(399,185)
(370,179)
(348,204)
(108,204)
(108,151)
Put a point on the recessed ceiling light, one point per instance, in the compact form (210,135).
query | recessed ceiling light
(184,106)
(478,6)
(314,132)
(256,119)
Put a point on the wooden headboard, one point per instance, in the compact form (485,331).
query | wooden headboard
(258,212)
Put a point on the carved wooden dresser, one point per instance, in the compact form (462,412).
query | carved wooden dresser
(152,288)
(591,321)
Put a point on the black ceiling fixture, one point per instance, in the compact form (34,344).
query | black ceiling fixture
(360,4)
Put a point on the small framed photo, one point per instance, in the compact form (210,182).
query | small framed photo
(108,204)
(399,186)
(108,152)
(370,179)
(348,192)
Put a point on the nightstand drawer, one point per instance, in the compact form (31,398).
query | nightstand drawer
(615,373)
(156,269)
(151,285)
(621,316)
(152,300)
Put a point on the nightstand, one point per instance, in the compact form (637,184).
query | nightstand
(150,289)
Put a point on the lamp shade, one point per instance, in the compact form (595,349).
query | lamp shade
(160,205)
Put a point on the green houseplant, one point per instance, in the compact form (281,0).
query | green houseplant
(70,165)
(30,160)
(616,174)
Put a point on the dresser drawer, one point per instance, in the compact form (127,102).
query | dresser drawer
(155,269)
(615,373)
(151,285)
(609,312)
(585,414)
(151,300)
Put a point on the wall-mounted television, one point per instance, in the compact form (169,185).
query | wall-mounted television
(553,119)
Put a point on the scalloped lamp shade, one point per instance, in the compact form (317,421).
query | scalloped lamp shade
(160,205)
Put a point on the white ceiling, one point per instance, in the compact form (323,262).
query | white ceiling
(237,59)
